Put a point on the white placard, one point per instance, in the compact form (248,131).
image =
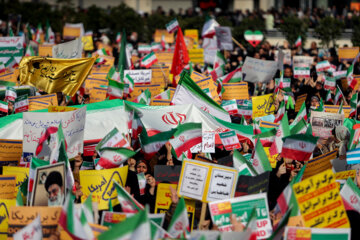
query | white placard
(68,50)
(208,142)
(11,46)
(257,70)
(140,76)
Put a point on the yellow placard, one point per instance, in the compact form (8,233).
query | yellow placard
(299,101)
(10,151)
(102,69)
(163,201)
(236,91)
(100,184)
(87,42)
(96,230)
(45,50)
(265,124)
(319,164)
(91,82)
(205,181)
(296,221)
(61,109)
(189,42)
(197,76)
(20,217)
(196,55)
(165,58)
(160,102)
(98,75)
(7,186)
(21,173)
(42,102)
(335,109)
(192,33)
(107,48)
(169,37)
(345,175)
(71,32)
(272,159)
(320,201)
(208,83)
(348,54)
(263,105)
(98,94)
(160,75)
(10,77)
(5,204)
(155,89)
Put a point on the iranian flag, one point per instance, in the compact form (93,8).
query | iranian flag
(118,37)
(10,94)
(4,107)
(266,138)
(299,128)
(234,76)
(172,25)
(301,115)
(260,161)
(245,108)
(280,113)
(164,95)
(49,34)
(301,72)
(298,147)
(151,145)
(208,30)
(158,232)
(156,46)
(112,157)
(88,209)
(102,52)
(29,51)
(115,89)
(282,83)
(32,231)
(129,84)
(127,202)
(328,97)
(113,139)
(217,72)
(219,60)
(34,164)
(21,104)
(11,63)
(353,104)
(298,42)
(148,60)
(113,74)
(144,48)
(338,95)
(74,221)
(144,97)
(339,74)
(322,66)
(350,77)
(186,136)
(242,165)
(181,56)
(188,92)
(38,33)
(330,83)
(134,227)
(282,131)
(251,226)
(179,224)
(350,194)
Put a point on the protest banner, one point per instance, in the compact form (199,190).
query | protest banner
(73,30)
(197,76)
(10,77)
(230,140)
(301,72)
(303,233)
(196,55)
(36,123)
(160,102)
(68,50)
(208,85)
(335,109)
(323,123)
(160,75)
(224,38)
(155,89)
(230,106)
(263,105)
(206,182)
(10,151)
(87,43)
(170,174)
(159,33)
(21,174)
(248,185)
(344,175)
(348,53)
(108,219)
(163,201)
(299,101)
(235,91)
(165,58)
(100,183)
(98,94)
(11,46)
(319,164)
(7,186)
(100,69)
(302,61)
(296,221)
(257,70)
(141,76)
(19,217)
(242,207)
(40,196)
(192,33)
(42,101)
(5,214)
(320,202)
(45,50)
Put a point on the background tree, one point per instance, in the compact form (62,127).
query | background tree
(292,28)
(328,30)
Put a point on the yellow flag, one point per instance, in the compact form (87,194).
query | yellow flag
(54,74)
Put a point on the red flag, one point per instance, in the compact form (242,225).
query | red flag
(181,56)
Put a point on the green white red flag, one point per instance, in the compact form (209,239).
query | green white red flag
(338,95)
(21,104)
(260,161)
(299,147)
(127,202)
(88,209)
(301,115)
(280,113)
(282,131)
(11,63)
(29,51)
(34,164)
(113,139)
(186,136)
(164,95)
(129,84)
(208,30)
(111,157)
(172,25)
(4,107)
(179,224)
(32,231)
(144,97)
(49,34)
(242,165)
(151,145)
(148,60)
(115,89)
(350,194)
(298,42)
(38,33)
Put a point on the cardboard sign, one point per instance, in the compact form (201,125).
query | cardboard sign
(206,182)
(42,102)
(320,202)
(21,174)
(163,173)
(87,42)
(208,142)
(335,109)
(169,37)
(19,217)
(160,75)
(344,175)
(5,214)
(299,101)
(11,46)
(257,70)
(163,201)
(192,33)
(248,185)
(211,86)
(230,140)
(235,91)
(10,151)
(319,164)
(242,207)
(98,94)
(35,124)
(100,184)
(263,105)
(196,56)
(155,89)
(323,123)
(230,106)
(142,76)
(286,57)
(348,54)
(45,50)
(71,32)
(7,186)
(165,58)
(101,69)
(68,50)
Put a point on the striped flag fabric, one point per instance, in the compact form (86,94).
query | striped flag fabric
(113,139)
(266,138)
(127,202)
(151,145)
(298,42)
(142,182)
(74,221)
(102,52)
(242,165)
(280,113)
(134,227)
(208,30)
(322,66)
(350,77)
(251,225)
(350,194)
(298,147)
(118,37)
(113,74)
(330,83)
(328,97)
(354,105)
(338,96)
(156,46)
(260,161)
(299,128)
(148,60)
(88,209)
(186,136)
(144,48)
(21,104)
(188,92)
(115,89)
(301,115)
(179,224)
(129,84)
(353,156)
(19,199)
(234,76)
(172,25)
(4,107)
(282,131)
(29,51)
(112,157)
(164,95)
(144,97)
(219,60)
(38,34)
(49,34)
